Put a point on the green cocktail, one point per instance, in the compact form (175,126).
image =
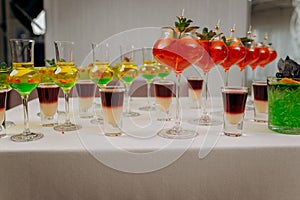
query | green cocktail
(284,105)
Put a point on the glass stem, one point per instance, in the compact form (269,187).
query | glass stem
(178,120)
(25,112)
(148,93)
(128,110)
(243,78)
(66,95)
(226,78)
(205,93)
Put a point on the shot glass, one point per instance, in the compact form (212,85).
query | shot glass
(164,91)
(234,101)
(112,98)
(48,98)
(195,91)
(260,101)
(86,90)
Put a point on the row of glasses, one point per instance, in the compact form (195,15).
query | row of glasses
(178,53)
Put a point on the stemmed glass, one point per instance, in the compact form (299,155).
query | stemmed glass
(23,78)
(163,71)
(236,53)
(215,53)
(65,76)
(127,72)
(252,55)
(148,70)
(178,53)
(100,73)
(4,88)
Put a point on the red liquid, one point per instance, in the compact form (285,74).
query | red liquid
(234,102)
(164,90)
(85,89)
(272,56)
(264,55)
(48,94)
(215,53)
(236,53)
(195,84)
(260,91)
(112,98)
(177,53)
(252,55)
(3,100)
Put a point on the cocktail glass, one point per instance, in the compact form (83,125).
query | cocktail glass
(163,71)
(127,72)
(65,76)
(178,53)
(148,70)
(236,53)
(100,73)
(215,53)
(23,78)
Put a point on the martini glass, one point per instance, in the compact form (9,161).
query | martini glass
(65,76)
(252,55)
(178,53)
(100,73)
(23,78)
(215,53)
(236,53)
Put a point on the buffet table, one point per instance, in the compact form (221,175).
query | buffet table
(140,165)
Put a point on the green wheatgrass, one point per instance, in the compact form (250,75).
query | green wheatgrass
(284,104)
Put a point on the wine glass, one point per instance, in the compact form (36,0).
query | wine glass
(215,53)
(178,53)
(236,53)
(127,72)
(23,78)
(3,94)
(148,70)
(65,76)
(100,73)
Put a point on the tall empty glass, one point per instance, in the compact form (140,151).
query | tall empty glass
(23,78)
(65,76)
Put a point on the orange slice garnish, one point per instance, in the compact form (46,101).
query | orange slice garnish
(289,80)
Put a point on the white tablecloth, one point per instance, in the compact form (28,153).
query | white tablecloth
(85,164)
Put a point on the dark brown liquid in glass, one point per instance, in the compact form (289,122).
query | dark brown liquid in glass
(260,91)
(164,90)
(195,84)
(48,94)
(112,98)
(86,89)
(2,100)
(234,102)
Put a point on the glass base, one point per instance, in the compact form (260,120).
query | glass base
(131,114)
(165,119)
(175,133)
(26,138)
(9,124)
(206,121)
(67,127)
(147,108)
(97,121)
(284,129)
